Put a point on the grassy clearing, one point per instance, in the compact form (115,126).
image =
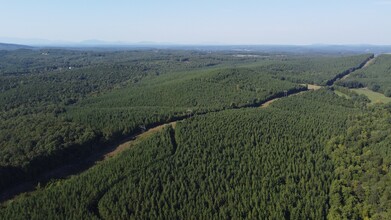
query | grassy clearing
(369,63)
(312,86)
(341,94)
(375,97)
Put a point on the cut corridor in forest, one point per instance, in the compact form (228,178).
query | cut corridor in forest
(137,139)
(78,167)
(110,151)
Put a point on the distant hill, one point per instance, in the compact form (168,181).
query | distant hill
(4,46)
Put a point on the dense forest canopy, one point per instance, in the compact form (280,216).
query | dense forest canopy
(376,76)
(321,154)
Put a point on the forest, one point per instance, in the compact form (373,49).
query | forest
(377,76)
(320,154)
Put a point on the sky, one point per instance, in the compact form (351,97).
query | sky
(298,22)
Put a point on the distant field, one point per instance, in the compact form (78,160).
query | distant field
(375,97)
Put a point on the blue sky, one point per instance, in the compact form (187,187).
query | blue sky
(201,21)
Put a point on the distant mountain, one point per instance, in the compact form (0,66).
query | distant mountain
(20,43)
(98,42)
(4,46)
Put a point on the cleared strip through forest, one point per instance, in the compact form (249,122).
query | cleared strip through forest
(349,71)
(113,149)
(138,138)
(94,206)
(80,166)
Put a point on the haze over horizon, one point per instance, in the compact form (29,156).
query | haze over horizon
(253,22)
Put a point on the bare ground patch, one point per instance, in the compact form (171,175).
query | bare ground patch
(139,138)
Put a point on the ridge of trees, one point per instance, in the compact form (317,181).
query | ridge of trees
(376,76)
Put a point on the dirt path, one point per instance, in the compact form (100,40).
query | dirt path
(78,166)
(368,63)
(137,139)
(311,87)
(266,104)
(75,168)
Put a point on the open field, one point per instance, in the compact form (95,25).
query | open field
(341,94)
(312,86)
(375,97)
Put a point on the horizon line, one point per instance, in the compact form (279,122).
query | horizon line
(85,43)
